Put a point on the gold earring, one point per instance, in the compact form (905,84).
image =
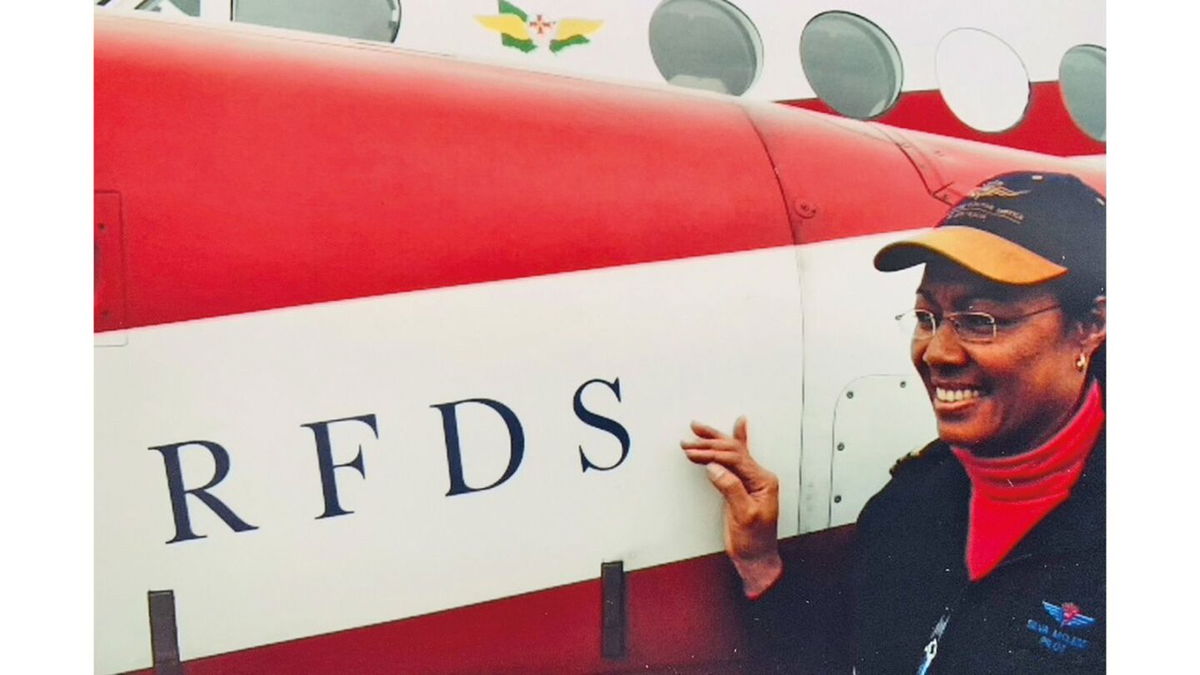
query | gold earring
(1081,363)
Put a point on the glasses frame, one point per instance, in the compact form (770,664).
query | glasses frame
(954,319)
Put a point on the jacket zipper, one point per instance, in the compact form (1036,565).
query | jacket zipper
(935,636)
(932,647)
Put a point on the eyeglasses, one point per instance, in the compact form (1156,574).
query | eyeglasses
(977,327)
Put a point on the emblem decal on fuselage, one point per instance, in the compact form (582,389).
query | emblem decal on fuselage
(519,32)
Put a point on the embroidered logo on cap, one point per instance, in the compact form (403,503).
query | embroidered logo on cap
(983,211)
(995,188)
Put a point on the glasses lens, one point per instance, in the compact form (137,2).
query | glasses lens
(916,323)
(975,326)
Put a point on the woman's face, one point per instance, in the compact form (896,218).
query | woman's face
(1008,395)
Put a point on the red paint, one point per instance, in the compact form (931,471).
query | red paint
(683,618)
(843,178)
(109,262)
(259,172)
(1046,127)
(263,172)
(677,614)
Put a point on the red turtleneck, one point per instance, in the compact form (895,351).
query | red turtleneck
(1010,495)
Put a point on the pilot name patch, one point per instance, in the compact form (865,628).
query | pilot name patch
(1054,636)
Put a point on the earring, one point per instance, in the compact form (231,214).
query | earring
(1081,363)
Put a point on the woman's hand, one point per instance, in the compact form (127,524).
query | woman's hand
(751,503)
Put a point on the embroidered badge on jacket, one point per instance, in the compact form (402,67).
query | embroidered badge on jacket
(1056,638)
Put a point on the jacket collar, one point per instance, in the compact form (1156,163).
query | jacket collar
(1079,523)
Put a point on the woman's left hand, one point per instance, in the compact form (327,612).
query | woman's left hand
(751,502)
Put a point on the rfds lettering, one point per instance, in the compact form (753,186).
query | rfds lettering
(327,468)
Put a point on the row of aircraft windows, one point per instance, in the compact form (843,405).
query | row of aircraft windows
(851,63)
(361,19)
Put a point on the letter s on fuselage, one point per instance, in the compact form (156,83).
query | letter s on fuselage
(315,231)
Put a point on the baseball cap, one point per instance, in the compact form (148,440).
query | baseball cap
(1021,228)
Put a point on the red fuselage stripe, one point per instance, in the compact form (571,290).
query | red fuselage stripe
(258,173)
(254,172)
(1046,127)
(685,614)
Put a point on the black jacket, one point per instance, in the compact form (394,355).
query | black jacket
(1042,610)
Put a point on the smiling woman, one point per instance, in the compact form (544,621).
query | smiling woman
(1001,371)
(981,544)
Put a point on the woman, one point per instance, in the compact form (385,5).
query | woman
(985,551)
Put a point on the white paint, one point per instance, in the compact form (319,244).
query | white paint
(704,338)
(878,418)
(849,333)
(112,338)
(982,80)
(707,338)
(1040,33)
(216,10)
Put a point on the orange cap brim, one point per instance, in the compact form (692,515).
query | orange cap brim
(984,253)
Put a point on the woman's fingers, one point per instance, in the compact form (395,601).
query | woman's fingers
(753,476)
(751,495)
(729,485)
(740,432)
(713,444)
(727,458)
(705,431)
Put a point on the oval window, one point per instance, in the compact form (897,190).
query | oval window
(852,65)
(1081,75)
(705,44)
(362,19)
(170,7)
(982,80)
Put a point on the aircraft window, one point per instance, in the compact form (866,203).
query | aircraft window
(363,19)
(172,7)
(705,44)
(1081,77)
(851,64)
(982,80)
